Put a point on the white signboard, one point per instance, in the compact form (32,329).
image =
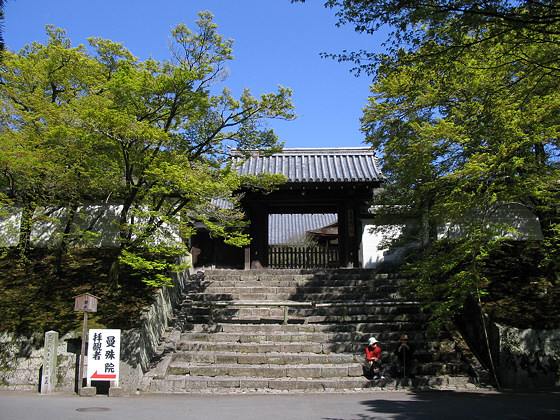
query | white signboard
(104,352)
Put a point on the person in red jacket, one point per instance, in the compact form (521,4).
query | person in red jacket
(372,365)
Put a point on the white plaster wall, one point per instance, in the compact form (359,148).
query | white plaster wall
(101,220)
(522,224)
(525,224)
(372,251)
(10,220)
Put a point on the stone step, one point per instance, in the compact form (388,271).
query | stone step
(315,315)
(427,352)
(258,287)
(266,371)
(309,316)
(299,330)
(379,306)
(273,358)
(298,282)
(280,337)
(226,384)
(304,275)
(241,295)
(294,317)
(214,357)
(365,329)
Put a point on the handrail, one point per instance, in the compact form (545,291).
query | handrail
(293,303)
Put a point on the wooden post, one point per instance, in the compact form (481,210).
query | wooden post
(82,354)
(85,303)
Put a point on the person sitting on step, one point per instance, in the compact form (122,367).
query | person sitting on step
(372,365)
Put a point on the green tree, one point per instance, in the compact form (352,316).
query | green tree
(152,137)
(448,23)
(464,113)
(456,145)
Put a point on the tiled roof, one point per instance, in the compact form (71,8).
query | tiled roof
(283,228)
(348,164)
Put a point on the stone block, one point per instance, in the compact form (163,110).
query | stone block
(298,338)
(272,372)
(309,384)
(355,370)
(279,360)
(334,371)
(256,359)
(206,371)
(88,391)
(330,383)
(252,348)
(178,369)
(195,384)
(195,357)
(349,383)
(223,383)
(254,383)
(243,370)
(340,358)
(457,381)
(227,358)
(312,348)
(115,391)
(267,348)
(305,372)
(318,358)
(283,384)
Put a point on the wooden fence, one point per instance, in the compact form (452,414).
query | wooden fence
(286,256)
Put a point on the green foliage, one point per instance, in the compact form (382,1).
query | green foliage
(153,267)
(151,137)
(410,24)
(35,296)
(463,112)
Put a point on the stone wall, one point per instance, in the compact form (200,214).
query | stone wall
(139,346)
(21,357)
(21,362)
(527,358)
(522,359)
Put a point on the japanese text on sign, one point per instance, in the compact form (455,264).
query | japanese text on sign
(104,348)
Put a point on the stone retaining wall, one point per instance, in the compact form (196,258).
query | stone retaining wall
(522,359)
(21,361)
(21,357)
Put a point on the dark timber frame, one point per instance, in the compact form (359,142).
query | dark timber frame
(335,180)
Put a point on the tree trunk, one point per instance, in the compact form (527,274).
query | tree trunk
(62,247)
(114,273)
(26,225)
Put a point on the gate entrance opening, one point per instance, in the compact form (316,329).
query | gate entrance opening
(303,240)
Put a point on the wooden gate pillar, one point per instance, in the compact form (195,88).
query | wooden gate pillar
(258,253)
(348,235)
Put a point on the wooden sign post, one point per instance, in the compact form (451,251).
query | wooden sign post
(84,303)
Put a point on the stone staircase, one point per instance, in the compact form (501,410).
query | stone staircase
(297,330)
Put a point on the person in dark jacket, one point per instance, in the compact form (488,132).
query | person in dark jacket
(404,352)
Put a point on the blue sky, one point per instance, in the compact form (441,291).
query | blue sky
(276,43)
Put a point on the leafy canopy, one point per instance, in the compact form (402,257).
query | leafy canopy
(464,112)
(151,137)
